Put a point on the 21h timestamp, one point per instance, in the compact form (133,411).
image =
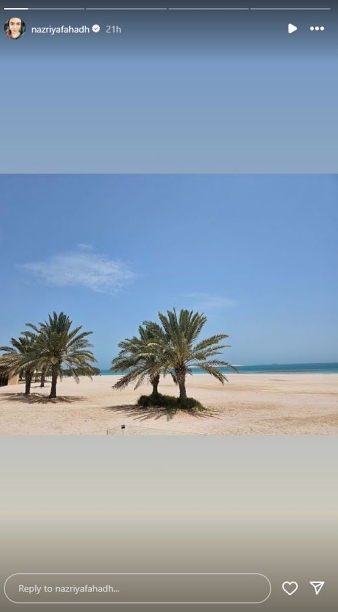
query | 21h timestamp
(113,29)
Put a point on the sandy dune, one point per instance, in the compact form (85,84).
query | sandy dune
(249,404)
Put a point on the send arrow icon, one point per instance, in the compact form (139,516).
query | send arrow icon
(317,586)
(292,28)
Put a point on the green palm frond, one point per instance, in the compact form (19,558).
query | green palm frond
(139,356)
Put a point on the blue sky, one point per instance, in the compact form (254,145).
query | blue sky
(257,254)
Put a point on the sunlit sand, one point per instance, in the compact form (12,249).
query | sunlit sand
(249,404)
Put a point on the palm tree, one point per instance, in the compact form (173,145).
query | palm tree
(62,349)
(139,357)
(180,352)
(16,356)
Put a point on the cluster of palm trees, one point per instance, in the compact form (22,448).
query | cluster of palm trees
(50,347)
(169,347)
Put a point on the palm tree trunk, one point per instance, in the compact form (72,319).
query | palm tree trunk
(28,382)
(155,382)
(55,373)
(43,377)
(180,377)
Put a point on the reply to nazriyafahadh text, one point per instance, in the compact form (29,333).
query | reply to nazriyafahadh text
(75,590)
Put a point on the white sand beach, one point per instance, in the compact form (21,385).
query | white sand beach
(249,404)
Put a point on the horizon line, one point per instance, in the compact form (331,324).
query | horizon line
(256,365)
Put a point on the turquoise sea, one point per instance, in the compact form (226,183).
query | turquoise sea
(291,368)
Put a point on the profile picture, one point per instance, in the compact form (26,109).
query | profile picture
(14,27)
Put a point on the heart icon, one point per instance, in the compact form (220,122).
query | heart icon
(290,587)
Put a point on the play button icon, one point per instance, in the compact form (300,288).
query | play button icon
(292,28)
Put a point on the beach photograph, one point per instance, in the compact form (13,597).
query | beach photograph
(169,305)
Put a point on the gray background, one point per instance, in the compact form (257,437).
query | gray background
(176,92)
(213,504)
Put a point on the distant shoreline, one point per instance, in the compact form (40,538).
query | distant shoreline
(289,368)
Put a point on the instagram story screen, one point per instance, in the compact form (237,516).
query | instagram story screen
(168,336)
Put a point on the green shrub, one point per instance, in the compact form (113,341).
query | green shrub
(169,402)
